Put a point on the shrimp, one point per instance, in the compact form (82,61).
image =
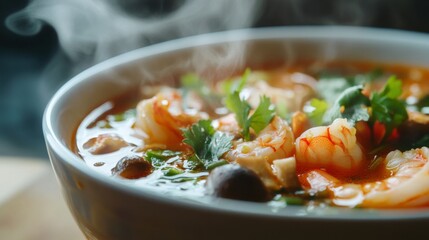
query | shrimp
(162,117)
(406,183)
(274,142)
(333,148)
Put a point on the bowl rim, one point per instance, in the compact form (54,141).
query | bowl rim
(226,205)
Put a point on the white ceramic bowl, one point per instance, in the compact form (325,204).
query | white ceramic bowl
(105,208)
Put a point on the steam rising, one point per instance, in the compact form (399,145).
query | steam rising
(91,31)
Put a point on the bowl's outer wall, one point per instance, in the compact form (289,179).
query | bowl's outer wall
(107,213)
(105,210)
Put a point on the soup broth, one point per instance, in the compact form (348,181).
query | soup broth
(351,134)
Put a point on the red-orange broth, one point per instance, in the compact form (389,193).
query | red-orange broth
(313,167)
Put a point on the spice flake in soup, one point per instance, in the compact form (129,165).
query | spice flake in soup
(339,134)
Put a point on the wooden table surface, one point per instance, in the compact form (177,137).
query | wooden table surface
(31,204)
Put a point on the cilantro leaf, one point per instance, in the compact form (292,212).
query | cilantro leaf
(332,86)
(219,144)
(198,136)
(158,157)
(241,108)
(262,116)
(351,104)
(393,88)
(356,113)
(208,144)
(386,108)
(171,171)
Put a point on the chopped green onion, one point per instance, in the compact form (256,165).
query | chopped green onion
(162,154)
(216,164)
(171,171)
(293,201)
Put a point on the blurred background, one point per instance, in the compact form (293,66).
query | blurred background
(43,43)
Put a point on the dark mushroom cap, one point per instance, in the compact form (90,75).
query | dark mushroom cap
(132,167)
(235,182)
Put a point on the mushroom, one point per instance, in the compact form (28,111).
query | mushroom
(235,182)
(132,167)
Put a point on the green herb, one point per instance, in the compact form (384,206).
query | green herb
(216,164)
(193,163)
(386,107)
(156,162)
(220,143)
(158,157)
(262,116)
(289,200)
(209,145)
(171,171)
(351,104)
(293,200)
(198,136)
(319,108)
(331,87)
(240,107)
(162,154)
